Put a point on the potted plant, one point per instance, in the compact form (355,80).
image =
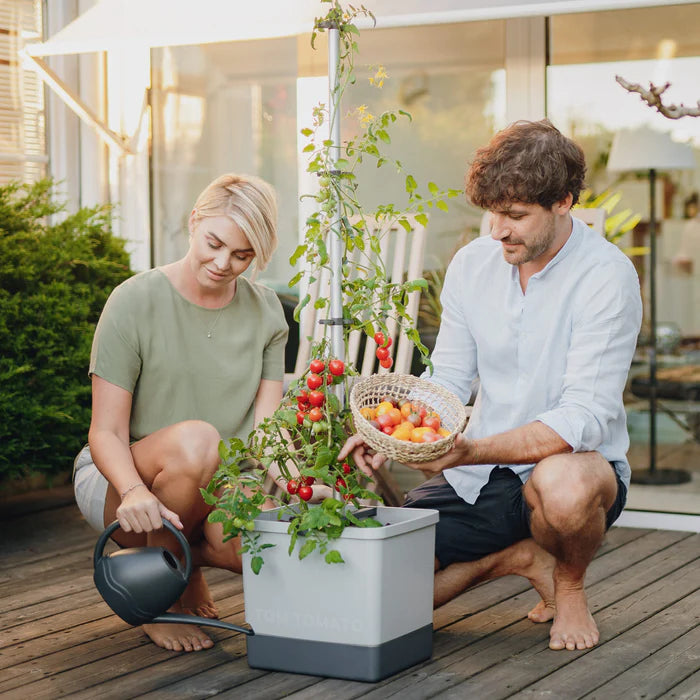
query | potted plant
(333,588)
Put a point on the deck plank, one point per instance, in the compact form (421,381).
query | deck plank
(662,669)
(689,689)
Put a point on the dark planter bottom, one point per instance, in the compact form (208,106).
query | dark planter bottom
(349,661)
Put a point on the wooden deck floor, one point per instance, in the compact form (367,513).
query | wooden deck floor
(58,639)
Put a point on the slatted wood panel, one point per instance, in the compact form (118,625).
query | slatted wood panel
(58,639)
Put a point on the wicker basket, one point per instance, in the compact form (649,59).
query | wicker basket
(369,392)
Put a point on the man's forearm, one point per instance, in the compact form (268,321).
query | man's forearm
(524,445)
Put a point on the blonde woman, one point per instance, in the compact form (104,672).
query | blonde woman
(183,355)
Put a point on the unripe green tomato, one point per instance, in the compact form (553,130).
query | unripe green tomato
(320,427)
(238,523)
(249,525)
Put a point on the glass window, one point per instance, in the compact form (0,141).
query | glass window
(451,80)
(659,45)
(217,108)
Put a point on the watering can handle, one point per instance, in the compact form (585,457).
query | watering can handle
(102,541)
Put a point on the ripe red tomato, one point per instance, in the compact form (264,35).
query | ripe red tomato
(346,468)
(388,429)
(292,486)
(313,381)
(308,480)
(337,367)
(379,338)
(340,483)
(349,496)
(382,353)
(316,398)
(385,420)
(315,414)
(329,378)
(386,363)
(317,366)
(432,422)
(305,493)
(300,417)
(303,396)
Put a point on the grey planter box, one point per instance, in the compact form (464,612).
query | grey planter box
(364,619)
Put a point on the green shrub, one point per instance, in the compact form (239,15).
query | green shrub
(54,281)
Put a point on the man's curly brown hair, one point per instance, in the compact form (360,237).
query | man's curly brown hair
(528,162)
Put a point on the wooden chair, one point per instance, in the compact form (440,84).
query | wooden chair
(403,253)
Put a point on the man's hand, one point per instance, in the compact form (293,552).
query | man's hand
(462,452)
(366,459)
(458,455)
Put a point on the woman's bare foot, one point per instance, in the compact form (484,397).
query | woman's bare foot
(573,627)
(197,600)
(177,637)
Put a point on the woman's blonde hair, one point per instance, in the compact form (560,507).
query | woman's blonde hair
(250,203)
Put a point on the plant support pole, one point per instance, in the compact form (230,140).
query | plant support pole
(335,248)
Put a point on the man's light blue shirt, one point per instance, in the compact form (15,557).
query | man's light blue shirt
(558,353)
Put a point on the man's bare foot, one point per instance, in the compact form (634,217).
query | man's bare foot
(537,566)
(573,627)
(197,600)
(177,637)
(544,611)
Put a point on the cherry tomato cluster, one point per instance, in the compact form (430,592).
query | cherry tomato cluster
(301,487)
(382,353)
(310,403)
(405,420)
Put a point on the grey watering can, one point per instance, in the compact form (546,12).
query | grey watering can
(141,583)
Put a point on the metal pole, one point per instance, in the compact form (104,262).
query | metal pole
(335,247)
(652,318)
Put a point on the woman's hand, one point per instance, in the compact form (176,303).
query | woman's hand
(320,491)
(141,511)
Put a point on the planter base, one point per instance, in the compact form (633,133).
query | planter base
(349,661)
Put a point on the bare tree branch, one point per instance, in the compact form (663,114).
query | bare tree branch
(652,97)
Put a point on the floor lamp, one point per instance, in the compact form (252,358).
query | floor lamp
(646,150)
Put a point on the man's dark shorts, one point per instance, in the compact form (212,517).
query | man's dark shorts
(499,518)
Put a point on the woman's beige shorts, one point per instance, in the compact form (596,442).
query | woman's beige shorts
(90,489)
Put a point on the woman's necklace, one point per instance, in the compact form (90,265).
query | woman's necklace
(216,320)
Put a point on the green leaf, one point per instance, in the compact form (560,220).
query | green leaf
(306,131)
(333,557)
(434,189)
(308,547)
(300,250)
(422,219)
(383,136)
(410,184)
(441,205)
(256,564)
(308,148)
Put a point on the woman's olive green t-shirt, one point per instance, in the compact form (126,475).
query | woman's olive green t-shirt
(153,342)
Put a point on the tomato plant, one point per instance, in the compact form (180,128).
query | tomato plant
(304,435)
